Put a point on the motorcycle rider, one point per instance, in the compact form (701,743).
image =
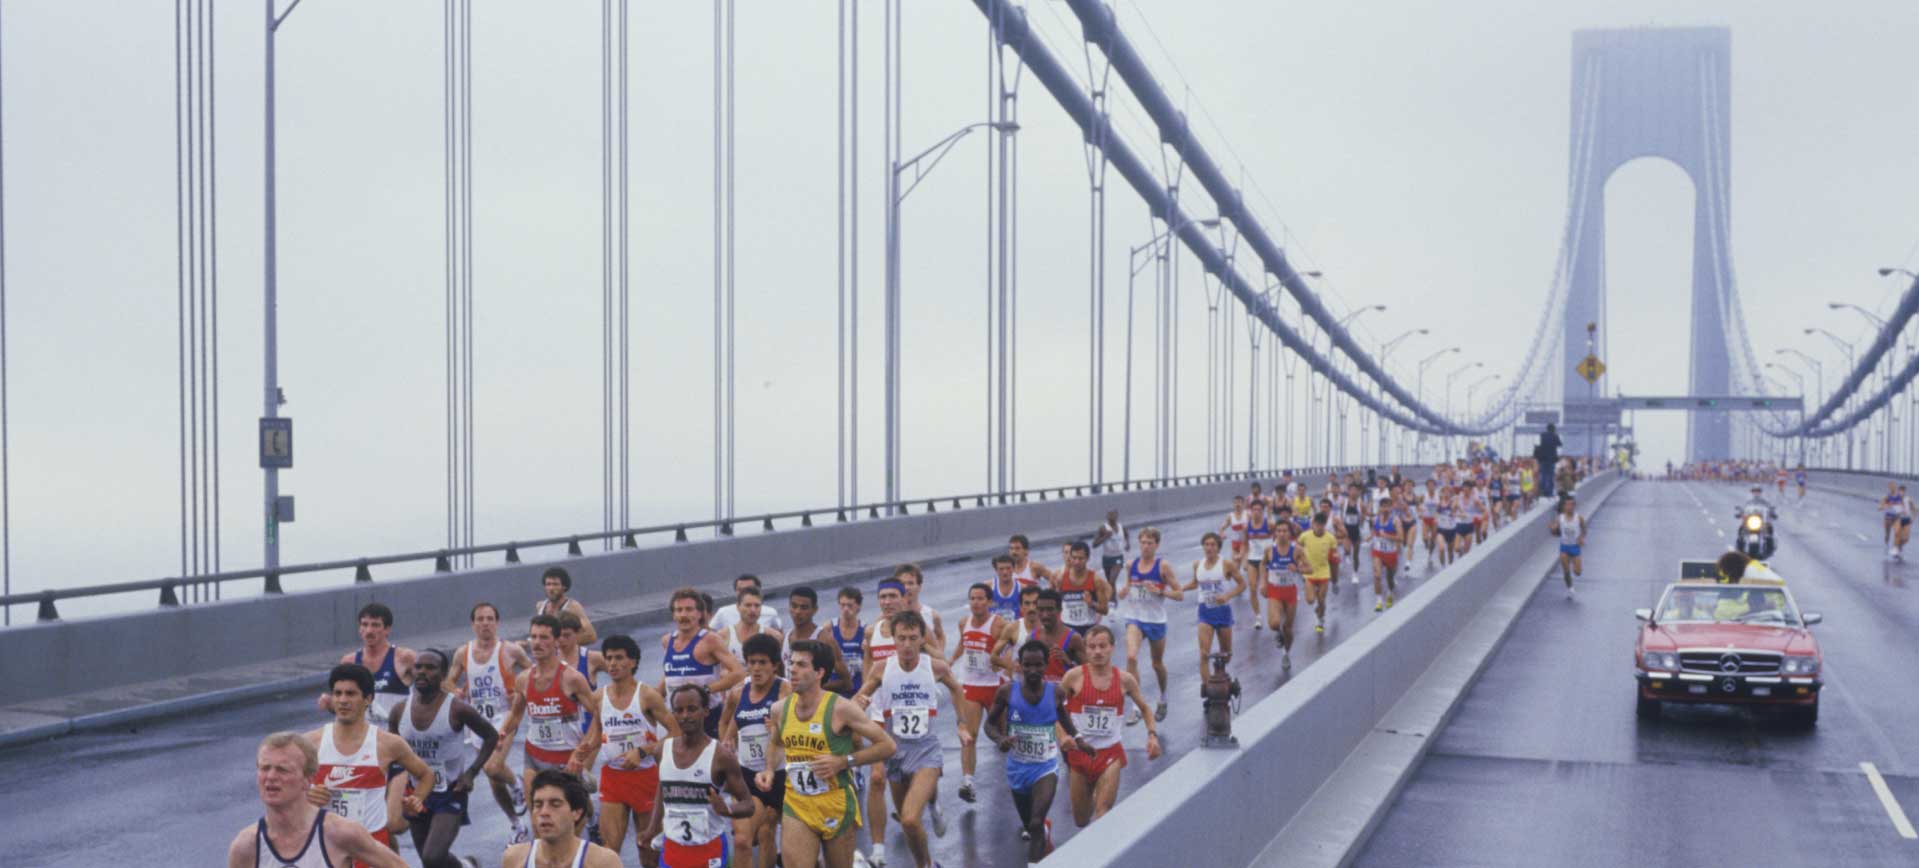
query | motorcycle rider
(1757,503)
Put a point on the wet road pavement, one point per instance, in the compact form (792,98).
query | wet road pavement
(1546,764)
(184,786)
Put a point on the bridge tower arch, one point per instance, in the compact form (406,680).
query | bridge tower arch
(1654,92)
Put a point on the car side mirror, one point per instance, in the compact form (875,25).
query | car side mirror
(1812,618)
(1642,614)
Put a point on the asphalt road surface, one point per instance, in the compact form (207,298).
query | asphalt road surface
(1545,763)
(183,787)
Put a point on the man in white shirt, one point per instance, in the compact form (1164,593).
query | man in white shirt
(728,615)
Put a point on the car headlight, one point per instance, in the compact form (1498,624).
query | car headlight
(1800,666)
(1754,523)
(1666,660)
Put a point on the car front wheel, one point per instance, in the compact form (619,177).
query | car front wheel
(1803,716)
(1648,708)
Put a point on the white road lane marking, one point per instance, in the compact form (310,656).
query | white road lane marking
(1898,815)
(1862,537)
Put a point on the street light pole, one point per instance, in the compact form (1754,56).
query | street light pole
(895,199)
(1449,397)
(270,284)
(1818,374)
(1801,382)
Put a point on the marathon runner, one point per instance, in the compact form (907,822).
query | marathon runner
(701,789)
(590,663)
(391,674)
(1150,581)
(1353,517)
(484,671)
(1259,538)
(436,725)
(1571,528)
(1903,532)
(551,697)
(1095,693)
(292,831)
(979,674)
(1316,551)
(1023,721)
(1025,570)
(1006,589)
(746,727)
(802,606)
(1893,505)
(632,722)
(695,655)
(849,638)
(1085,596)
(1389,533)
(558,804)
(902,691)
(748,622)
(1218,581)
(1113,543)
(911,580)
(1779,478)
(814,746)
(1799,476)
(353,756)
(729,614)
(1282,590)
(1065,647)
(1234,527)
(557,583)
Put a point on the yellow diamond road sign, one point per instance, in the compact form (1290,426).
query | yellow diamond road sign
(1590,368)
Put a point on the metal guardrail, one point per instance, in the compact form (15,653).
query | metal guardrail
(170,587)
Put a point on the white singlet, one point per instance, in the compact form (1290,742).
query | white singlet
(313,853)
(533,855)
(907,699)
(356,781)
(1023,575)
(1569,529)
(1116,543)
(688,819)
(626,728)
(440,746)
(488,686)
(976,652)
(1212,582)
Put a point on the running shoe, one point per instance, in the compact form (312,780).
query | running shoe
(1319,628)
(1286,660)
(1378,606)
(878,859)
(859,860)
(470,862)
(966,792)
(1159,714)
(519,801)
(939,819)
(1132,717)
(1389,601)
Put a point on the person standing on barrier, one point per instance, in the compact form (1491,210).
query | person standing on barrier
(1570,526)
(1547,454)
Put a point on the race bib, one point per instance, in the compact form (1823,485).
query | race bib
(978,662)
(1033,744)
(753,741)
(911,722)
(549,731)
(1212,594)
(687,823)
(1098,721)
(800,778)
(1078,612)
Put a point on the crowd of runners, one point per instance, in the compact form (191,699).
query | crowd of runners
(769,735)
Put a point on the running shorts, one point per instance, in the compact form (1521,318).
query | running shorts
(1110,563)
(442,802)
(1091,767)
(827,814)
(1465,527)
(769,797)
(1389,560)
(634,788)
(1216,616)
(1283,593)
(718,851)
(980,694)
(911,755)
(1152,631)
(1021,776)
(1571,551)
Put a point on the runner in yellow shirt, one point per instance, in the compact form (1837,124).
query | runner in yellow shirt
(1316,547)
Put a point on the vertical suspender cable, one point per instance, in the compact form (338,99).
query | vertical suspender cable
(452,248)
(853,253)
(180,260)
(626,324)
(466,249)
(719,278)
(991,368)
(607,459)
(732,307)
(839,252)
(213,290)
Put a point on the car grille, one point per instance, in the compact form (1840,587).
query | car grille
(1749,662)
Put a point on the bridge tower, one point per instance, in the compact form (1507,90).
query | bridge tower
(1654,92)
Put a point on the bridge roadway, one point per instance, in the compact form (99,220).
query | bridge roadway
(186,785)
(1544,762)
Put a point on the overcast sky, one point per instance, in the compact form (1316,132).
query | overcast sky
(1415,152)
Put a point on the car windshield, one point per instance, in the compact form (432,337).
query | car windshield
(1728,604)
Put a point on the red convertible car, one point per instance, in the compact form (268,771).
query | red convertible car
(1733,643)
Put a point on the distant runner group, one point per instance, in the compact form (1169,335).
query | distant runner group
(772,738)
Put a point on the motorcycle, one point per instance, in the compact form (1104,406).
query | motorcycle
(1755,536)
